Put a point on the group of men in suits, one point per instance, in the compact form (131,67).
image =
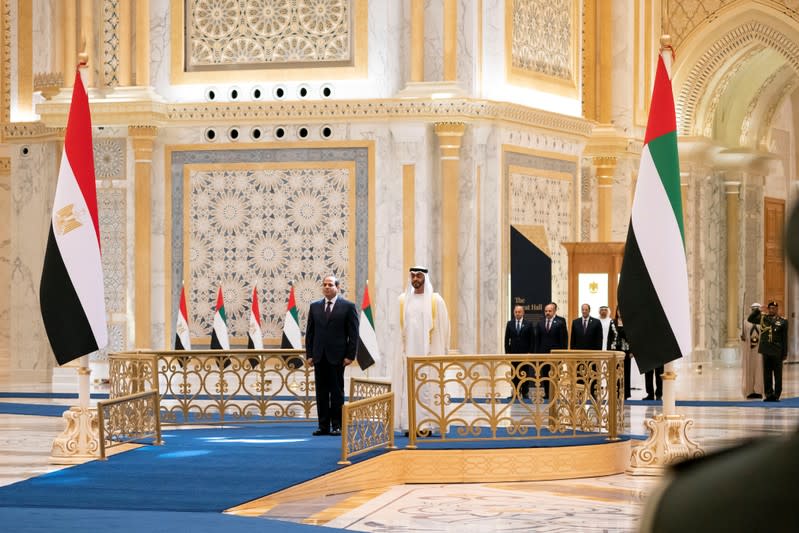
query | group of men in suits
(549,333)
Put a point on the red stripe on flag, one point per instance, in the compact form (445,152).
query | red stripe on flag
(291,304)
(662,119)
(255,311)
(219,301)
(78,148)
(183,307)
(366,302)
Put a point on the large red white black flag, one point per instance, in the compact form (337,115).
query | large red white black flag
(71,293)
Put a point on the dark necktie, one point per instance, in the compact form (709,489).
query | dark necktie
(518,326)
(585,324)
(549,323)
(328,309)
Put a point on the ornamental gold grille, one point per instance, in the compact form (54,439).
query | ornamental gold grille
(254,34)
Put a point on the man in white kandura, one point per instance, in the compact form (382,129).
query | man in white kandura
(424,322)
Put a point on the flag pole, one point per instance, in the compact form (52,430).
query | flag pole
(80,440)
(668,440)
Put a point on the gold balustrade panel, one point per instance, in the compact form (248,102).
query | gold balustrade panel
(128,418)
(473,397)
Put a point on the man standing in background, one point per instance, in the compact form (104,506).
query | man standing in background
(773,346)
(551,334)
(520,338)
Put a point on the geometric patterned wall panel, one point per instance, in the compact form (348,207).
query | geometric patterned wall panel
(265,215)
(270,224)
(112,215)
(246,34)
(542,38)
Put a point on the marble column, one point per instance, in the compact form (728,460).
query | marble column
(70,46)
(417,40)
(87,41)
(5,262)
(142,138)
(732,192)
(605,170)
(124,48)
(24,62)
(143,44)
(450,40)
(450,135)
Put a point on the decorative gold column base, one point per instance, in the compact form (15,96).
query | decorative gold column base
(80,441)
(668,443)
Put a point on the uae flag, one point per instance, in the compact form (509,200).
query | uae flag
(71,294)
(219,338)
(653,287)
(255,339)
(368,351)
(182,337)
(292,338)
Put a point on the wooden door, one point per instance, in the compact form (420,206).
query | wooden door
(774,253)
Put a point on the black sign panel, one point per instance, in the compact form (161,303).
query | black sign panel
(530,276)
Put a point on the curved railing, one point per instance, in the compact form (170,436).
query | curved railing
(472,397)
(218,386)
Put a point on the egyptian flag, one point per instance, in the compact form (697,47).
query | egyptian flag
(71,294)
(182,337)
(219,337)
(368,351)
(255,339)
(653,287)
(292,338)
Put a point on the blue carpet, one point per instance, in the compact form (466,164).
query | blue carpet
(783,403)
(48,520)
(9,408)
(56,395)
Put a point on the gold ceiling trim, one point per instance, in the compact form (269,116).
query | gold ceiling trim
(116,113)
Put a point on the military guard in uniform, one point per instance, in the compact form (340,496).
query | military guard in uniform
(773,347)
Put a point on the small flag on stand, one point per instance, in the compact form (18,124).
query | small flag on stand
(71,292)
(182,336)
(219,336)
(367,352)
(292,338)
(255,339)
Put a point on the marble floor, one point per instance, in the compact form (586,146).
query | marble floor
(611,503)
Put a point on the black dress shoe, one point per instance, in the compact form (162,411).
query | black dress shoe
(658,398)
(648,398)
(321,431)
(336,432)
(754,396)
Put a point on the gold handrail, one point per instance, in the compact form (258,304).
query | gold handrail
(367,424)
(128,418)
(218,386)
(468,392)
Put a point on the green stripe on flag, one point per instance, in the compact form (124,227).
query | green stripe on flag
(667,162)
(368,313)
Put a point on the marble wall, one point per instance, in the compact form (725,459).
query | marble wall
(5,266)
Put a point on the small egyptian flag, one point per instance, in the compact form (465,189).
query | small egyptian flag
(255,339)
(367,352)
(182,336)
(219,336)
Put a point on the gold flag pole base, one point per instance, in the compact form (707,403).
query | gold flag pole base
(668,443)
(79,441)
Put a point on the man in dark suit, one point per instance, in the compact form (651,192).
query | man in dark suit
(520,338)
(551,333)
(586,331)
(773,346)
(331,338)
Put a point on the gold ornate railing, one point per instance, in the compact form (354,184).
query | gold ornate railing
(218,386)
(472,397)
(368,422)
(128,418)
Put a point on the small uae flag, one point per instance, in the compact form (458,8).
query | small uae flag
(292,338)
(71,294)
(368,352)
(219,338)
(653,285)
(255,339)
(182,337)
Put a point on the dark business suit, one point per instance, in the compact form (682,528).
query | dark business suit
(521,341)
(774,349)
(328,341)
(556,338)
(588,338)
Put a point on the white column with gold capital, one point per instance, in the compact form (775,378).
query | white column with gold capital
(450,135)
